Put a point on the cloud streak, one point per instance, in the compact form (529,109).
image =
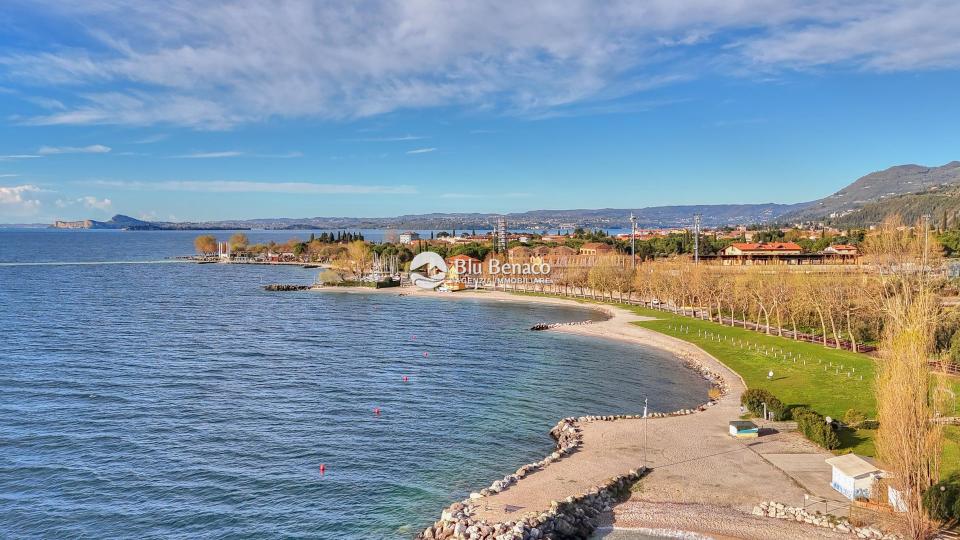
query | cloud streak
(54,150)
(210,155)
(242,186)
(421,151)
(213,65)
(88,201)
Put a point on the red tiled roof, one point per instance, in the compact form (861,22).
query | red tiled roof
(769,246)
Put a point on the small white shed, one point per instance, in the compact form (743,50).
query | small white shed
(853,476)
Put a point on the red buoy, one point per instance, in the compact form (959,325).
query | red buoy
(323,469)
(376,411)
(414,336)
(425,354)
(405,378)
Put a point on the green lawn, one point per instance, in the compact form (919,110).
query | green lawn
(831,391)
(829,381)
(824,379)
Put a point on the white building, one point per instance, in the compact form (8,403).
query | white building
(853,476)
(408,236)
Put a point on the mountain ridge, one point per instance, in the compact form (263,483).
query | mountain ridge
(867,191)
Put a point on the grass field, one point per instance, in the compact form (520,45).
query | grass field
(829,381)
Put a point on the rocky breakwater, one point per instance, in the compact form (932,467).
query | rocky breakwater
(776,510)
(571,518)
(286,287)
(574,517)
(546,326)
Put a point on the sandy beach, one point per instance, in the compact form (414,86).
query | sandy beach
(702,480)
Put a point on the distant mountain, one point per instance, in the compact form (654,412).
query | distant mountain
(941,203)
(605,218)
(121,221)
(878,186)
(869,196)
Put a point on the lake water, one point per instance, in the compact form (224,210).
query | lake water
(174,400)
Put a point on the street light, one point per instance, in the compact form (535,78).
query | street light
(633,239)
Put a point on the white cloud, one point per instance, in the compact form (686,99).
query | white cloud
(237,153)
(16,199)
(241,186)
(212,65)
(92,149)
(210,155)
(886,37)
(398,138)
(13,157)
(94,203)
(88,201)
(421,151)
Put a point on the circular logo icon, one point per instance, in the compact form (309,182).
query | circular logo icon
(433,274)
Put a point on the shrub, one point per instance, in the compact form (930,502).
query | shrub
(754,398)
(942,501)
(815,428)
(853,417)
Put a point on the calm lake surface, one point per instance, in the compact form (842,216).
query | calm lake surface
(174,400)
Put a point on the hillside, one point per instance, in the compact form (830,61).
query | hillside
(605,218)
(878,186)
(941,203)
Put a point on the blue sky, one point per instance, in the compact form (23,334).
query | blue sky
(177,110)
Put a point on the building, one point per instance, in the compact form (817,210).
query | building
(744,429)
(519,252)
(408,236)
(596,248)
(842,249)
(853,476)
(748,253)
(462,271)
(762,248)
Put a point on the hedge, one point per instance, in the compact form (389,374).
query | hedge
(942,501)
(815,427)
(754,398)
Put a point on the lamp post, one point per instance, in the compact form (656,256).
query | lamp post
(633,239)
(696,239)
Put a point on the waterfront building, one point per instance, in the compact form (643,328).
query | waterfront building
(853,476)
(409,236)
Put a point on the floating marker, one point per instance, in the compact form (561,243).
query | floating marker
(405,378)
(425,354)
(323,469)
(376,411)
